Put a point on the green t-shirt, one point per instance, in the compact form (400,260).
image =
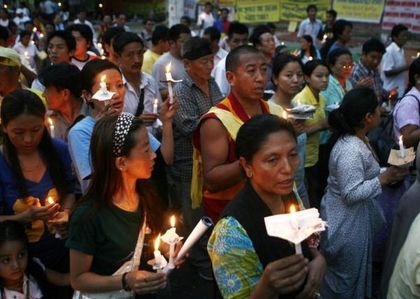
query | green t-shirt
(108,234)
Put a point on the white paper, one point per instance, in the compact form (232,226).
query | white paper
(202,226)
(332,107)
(295,227)
(103,95)
(302,109)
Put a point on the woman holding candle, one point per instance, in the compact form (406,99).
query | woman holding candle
(316,77)
(93,74)
(288,78)
(105,226)
(246,261)
(34,167)
(350,204)
(308,51)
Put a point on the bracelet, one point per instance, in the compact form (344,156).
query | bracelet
(124,283)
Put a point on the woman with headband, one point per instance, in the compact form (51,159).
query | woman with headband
(112,217)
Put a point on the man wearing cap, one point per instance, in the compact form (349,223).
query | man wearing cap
(196,94)
(10,69)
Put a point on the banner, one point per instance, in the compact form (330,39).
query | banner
(295,10)
(405,12)
(257,11)
(367,11)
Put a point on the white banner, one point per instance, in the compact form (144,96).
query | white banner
(406,12)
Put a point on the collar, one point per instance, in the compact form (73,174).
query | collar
(144,81)
(239,110)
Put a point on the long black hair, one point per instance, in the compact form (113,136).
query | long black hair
(26,102)
(106,178)
(412,72)
(312,50)
(353,109)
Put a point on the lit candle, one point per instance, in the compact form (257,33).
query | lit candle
(402,148)
(100,5)
(324,38)
(155,106)
(158,255)
(282,43)
(173,241)
(295,225)
(104,89)
(41,35)
(5,6)
(49,201)
(100,48)
(418,54)
(26,55)
(51,126)
(34,30)
(169,79)
(310,58)
(59,4)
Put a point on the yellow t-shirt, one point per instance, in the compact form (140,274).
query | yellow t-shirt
(306,97)
(149,60)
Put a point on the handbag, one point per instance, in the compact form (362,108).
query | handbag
(128,266)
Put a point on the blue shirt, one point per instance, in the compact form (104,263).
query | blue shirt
(9,192)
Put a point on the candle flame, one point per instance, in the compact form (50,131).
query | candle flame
(99,45)
(401,139)
(157,242)
(34,30)
(50,122)
(292,208)
(49,200)
(41,35)
(168,67)
(172,221)
(103,79)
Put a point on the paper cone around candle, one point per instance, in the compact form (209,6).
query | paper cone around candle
(171,80)
(396,159)
(103,95)
(303,225)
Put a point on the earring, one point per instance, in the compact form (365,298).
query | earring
(249,175)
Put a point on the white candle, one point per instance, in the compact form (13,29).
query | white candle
(402,148)
(158,255)
(49,201)
(295,225)
(310,58)
(104,89)
(418,54)
(173,241)
(155,106)
(169,79)
(51,126)
(324,37)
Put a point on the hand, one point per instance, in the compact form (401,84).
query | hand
(284,276)
(148,118)
(393,174)
(61,223)
(365,82)
(181,261)
(298,125)
(40,213)
(143,282)
(393,95)
(317,268)
(167,110)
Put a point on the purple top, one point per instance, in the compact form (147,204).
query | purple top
(407,111)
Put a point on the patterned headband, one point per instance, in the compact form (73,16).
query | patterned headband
(122,127)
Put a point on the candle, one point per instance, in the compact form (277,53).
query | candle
(169,79)
(402,148)
(418,54)
(100,5)
(104,89)
(295,225)
(310,58)
(282,43)
(41,35)
(49,201)
(174,240)
(51,125)
(324,38)
(158,255)
(155,106)
(59,4)
(5,6)
(34,30)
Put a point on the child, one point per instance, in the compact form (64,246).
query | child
(19,276)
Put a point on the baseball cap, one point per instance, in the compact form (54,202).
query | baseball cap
(9,57)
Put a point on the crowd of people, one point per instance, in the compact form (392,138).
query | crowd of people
(106,132)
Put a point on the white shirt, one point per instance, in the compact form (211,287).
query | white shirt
(219,56)
(393,58)
(150,88)
(219,75)
(177,69)
(205,20)
(27,54)
(34,291)
(307,27)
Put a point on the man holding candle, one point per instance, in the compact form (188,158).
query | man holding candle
(142,89)
(63,94)
(177,36)
(196,94)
